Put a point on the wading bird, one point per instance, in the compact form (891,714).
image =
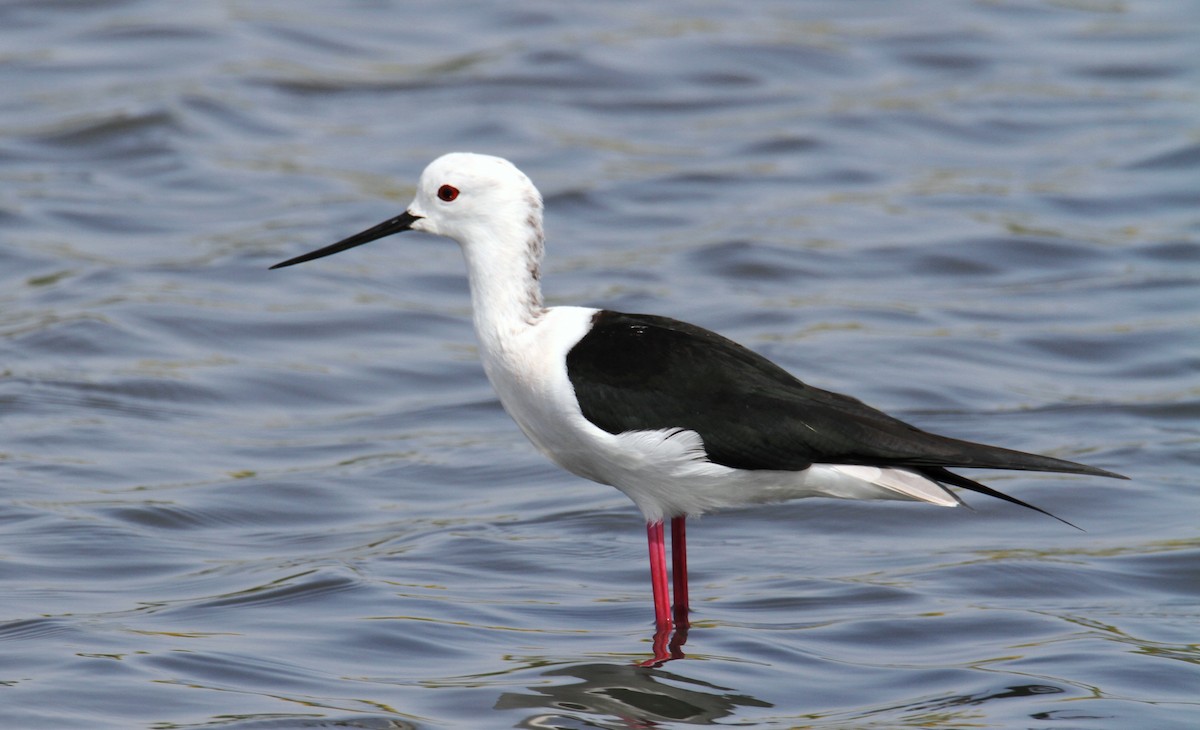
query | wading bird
(680,419)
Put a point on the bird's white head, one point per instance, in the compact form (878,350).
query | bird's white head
(466,196)
(483,202)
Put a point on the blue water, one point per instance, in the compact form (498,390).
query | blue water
(234,498)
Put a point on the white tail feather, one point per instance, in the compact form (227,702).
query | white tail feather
(904,483)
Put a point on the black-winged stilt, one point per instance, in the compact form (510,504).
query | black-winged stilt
(680,419)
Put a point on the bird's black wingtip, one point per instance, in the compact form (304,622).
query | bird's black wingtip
(958,480)
(1065,522)
(1086,470)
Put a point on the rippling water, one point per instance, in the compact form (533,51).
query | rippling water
(233,498)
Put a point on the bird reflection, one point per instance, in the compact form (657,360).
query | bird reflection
(623,696)
(668,644)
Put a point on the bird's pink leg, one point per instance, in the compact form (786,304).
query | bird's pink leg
(658,576)
(662,599)
(679,570)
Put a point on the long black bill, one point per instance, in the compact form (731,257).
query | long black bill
(400,223)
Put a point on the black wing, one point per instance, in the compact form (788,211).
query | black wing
(635,372)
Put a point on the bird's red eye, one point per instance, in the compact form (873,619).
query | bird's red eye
(447,193)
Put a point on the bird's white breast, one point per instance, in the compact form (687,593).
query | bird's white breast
(528,370)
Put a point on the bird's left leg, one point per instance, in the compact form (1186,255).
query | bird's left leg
(658,576)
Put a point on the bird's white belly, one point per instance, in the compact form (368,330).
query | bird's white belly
(666,472)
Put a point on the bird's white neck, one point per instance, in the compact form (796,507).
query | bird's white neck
(506,294)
